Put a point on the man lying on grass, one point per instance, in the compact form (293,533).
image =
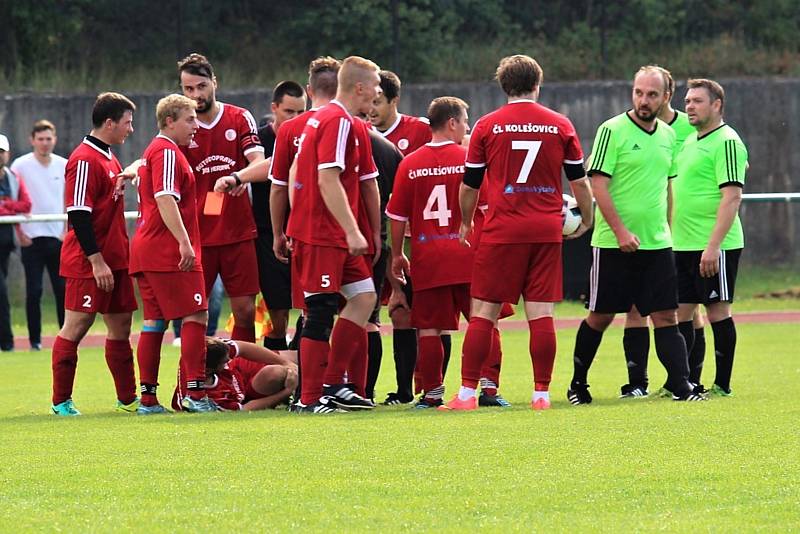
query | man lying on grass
(246,376)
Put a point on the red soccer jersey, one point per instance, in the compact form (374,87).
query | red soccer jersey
(367,170)
(408,133)
(164,171)
(426,195)
(217,150)
(523,146)
(90,180)
(287,141)
(329,140)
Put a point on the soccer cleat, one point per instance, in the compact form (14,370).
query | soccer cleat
(424,403)
(717,391)
(484,399)
(128,408)
(458,405)
(36,347)
(695,395)
(540,404)
(204,405)
(151,410)
(629,391)
(579,395)
(343,396)
(319,407)
(393,399)
(66,408)
(176,342)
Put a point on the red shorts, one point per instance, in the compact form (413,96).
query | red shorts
(506,310)
(530,269)
(83,295)
(171,295)
(440,307)
(245,370)
(327,269)
(236,264)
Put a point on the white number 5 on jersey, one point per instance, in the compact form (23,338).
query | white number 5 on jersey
(438,197)
(532,150)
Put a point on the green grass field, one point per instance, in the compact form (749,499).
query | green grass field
(646,464)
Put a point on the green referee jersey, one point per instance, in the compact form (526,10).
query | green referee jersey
(704,166)
(639,164)
(680,123)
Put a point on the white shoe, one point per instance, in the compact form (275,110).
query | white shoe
(176,342)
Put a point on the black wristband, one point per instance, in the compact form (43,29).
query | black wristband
(236,177)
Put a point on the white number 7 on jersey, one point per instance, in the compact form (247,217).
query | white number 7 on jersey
(532,148)
(439,197)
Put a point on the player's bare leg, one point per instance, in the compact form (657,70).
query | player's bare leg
(276,340)
(270,382)
(636,344)
(244,316)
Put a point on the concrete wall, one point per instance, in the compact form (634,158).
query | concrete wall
(759,109)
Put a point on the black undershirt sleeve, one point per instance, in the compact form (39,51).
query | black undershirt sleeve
(473,176)
(81,222)
(574,171)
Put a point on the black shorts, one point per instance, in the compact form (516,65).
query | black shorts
(273,276)
(695,289)
(619,279)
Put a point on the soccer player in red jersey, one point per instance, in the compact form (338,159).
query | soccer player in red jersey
(406,132)
(328,243)
(94,257)
(171,282)
(522,148)
(244,376)
(227,141)
(425,195)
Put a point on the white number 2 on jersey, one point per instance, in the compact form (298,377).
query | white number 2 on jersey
(532,149)
(438,197)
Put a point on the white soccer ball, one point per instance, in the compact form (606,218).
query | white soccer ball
(571,214)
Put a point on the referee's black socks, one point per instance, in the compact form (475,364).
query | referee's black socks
(636,344)
(724,348)
(404,343)
(695,366)
(374,357)
(587,341)
(671,351)
(447,345)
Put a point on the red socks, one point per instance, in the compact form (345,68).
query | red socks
(119,358)
(64,362)
(431,356)
(148,355)
(543,351)
(346,339)
(477,345)
(193,356)
(491,367)
(242,333)
(357,369)
(313,362)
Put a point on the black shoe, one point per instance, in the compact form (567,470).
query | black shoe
(320,407)
(629,391)
(484,399)
(343,396)
(695,395)
(579,395)
(393,399)
(424,403)
(36,347)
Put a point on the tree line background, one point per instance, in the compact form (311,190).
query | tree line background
(85,45)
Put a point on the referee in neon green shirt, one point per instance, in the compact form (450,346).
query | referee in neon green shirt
(707,233)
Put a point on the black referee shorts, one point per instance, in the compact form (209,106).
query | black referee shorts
(619,279)
(695,289)
(273,276)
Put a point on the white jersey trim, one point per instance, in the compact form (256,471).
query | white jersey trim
(168,193)
(81,183)
(393,127)
(322,166)
(440,143)
(216,120)
(474,165)
(79,208)
(523,100)
(278,182)
(573,161)
(162,136)
(256,148)
(395,216)
(106,154)
(370,176)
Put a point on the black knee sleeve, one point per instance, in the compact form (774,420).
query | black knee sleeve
(321,309)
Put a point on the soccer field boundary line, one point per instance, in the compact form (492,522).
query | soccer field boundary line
(788,316)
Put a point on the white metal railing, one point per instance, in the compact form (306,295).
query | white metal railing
(132,215)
